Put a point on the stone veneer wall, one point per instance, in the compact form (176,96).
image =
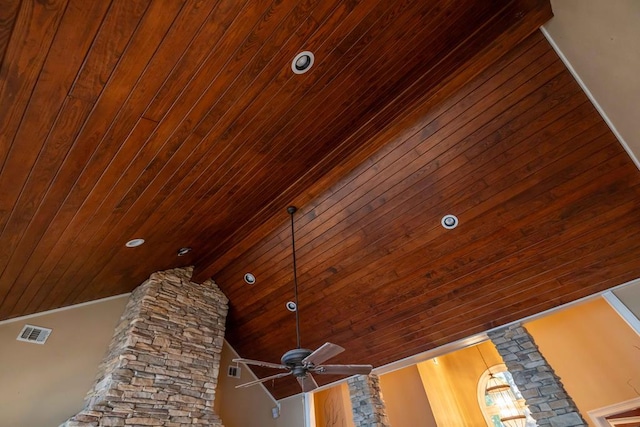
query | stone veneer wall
(162,365)
(541,388)
(367,403)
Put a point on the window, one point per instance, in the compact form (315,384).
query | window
(506,408)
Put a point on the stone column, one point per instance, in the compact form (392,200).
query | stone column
(162,365)
(366,401)
(548,401)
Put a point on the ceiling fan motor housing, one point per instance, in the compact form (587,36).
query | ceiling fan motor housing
(293,358)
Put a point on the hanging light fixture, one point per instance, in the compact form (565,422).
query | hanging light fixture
(510,410)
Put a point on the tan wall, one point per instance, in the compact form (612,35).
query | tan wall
(452,385)
(405,399)
(593,351)
(244,407)
(600,40)
(333,407)
(43,385)
(291,412)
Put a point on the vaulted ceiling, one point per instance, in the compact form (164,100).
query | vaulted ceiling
(181,122)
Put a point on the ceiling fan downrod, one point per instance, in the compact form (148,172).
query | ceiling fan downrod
(292,210)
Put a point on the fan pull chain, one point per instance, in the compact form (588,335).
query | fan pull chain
(292,210)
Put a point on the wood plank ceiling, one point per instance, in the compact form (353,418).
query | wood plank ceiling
(548,204)
(180,122)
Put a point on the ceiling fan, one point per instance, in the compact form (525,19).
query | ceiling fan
(301,362)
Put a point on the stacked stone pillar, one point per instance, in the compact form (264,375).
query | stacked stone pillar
(162,365)
(548,401)
(367,402)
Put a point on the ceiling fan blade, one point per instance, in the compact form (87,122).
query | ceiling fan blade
(307,383)
(325,352)
(343,369)
(261,380)
(261,363)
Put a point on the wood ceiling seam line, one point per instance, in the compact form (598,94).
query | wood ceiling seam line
(301,219)
(182,123)
(92,155)
(203,185)
(369,245)
(72,292)
(299,252)
(471,289)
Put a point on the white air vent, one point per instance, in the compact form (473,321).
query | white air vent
(34,334)
(233,371)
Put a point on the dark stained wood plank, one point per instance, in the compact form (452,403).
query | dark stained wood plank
(517,163)
(202,63)
(135,103)
(183,167)
(101,115)
(190,17)
(51,240)
(8,14)
(33,31)
(490,291)
(393,268)
(30,161)
(181,122)
(285,158)
(107,48)
(391,152)
(348,162)
(150,171)
(376,180)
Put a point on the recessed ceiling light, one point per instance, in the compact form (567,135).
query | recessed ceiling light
(249,278)
(302,62)
(449,221)
(133,243)
(183,251)
(291,306)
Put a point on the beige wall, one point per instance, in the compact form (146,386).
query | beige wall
(405,399)
(244,407)
(600,40)
(593,351)
(452,384)
(251,406)
(43,385)
(291,412)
